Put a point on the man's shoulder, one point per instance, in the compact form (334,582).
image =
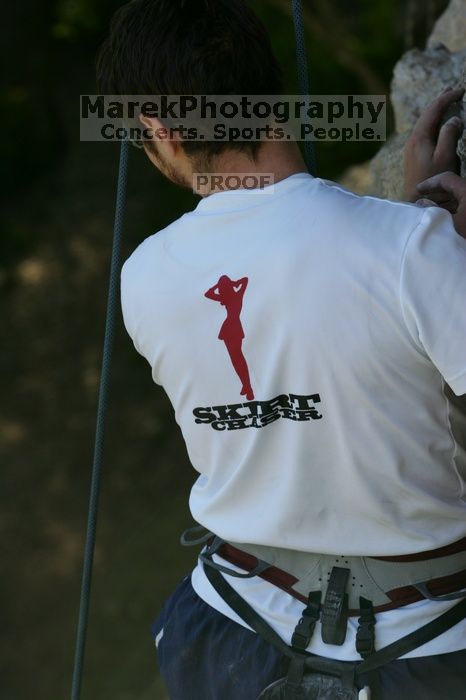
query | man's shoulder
(148,251)
(381,219)
(337,194)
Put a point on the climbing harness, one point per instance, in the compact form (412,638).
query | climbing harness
(388,582)
(316,678)
(328,599)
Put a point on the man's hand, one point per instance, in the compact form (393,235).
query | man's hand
(431,150)
(448,191)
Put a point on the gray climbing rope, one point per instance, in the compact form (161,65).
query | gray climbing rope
(112,305)
(303,74)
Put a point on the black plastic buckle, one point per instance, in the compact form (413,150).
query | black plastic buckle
(305,627)
(335,608)
(365,636)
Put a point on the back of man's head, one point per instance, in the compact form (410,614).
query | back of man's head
(188,47)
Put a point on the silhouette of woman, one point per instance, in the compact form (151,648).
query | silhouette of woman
(230,294)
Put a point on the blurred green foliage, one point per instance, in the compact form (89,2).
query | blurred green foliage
(74,19)
(49,49)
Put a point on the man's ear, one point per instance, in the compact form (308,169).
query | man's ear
(167,138)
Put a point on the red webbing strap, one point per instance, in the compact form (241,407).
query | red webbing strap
(453,548)
(399,596)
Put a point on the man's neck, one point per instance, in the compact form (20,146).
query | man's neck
(277,161)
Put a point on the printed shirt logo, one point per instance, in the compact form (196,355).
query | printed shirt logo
(230,295)
(251,414)
(258,414)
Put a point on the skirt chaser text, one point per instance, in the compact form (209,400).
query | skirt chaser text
(258,414)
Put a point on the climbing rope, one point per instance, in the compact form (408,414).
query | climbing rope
(112,305)
(303,75)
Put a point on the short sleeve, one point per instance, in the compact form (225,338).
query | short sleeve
(433,294)
(131,306)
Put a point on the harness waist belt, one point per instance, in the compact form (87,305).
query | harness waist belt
(389,582)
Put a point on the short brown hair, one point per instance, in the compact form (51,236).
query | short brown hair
(189,47)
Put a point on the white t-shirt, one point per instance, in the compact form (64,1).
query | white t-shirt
(304,336)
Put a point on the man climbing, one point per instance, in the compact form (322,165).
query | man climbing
(332,496)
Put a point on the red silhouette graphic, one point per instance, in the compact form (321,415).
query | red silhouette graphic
(230,294)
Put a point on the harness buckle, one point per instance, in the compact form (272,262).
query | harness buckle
(365,635)
(305,627)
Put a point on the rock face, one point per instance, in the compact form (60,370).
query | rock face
(419,77)
(450,28)
(461,150)
(386,169)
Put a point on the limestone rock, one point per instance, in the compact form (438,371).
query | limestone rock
(419,77)
(386,169)
(450,28)
(358,178)
(461,150)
